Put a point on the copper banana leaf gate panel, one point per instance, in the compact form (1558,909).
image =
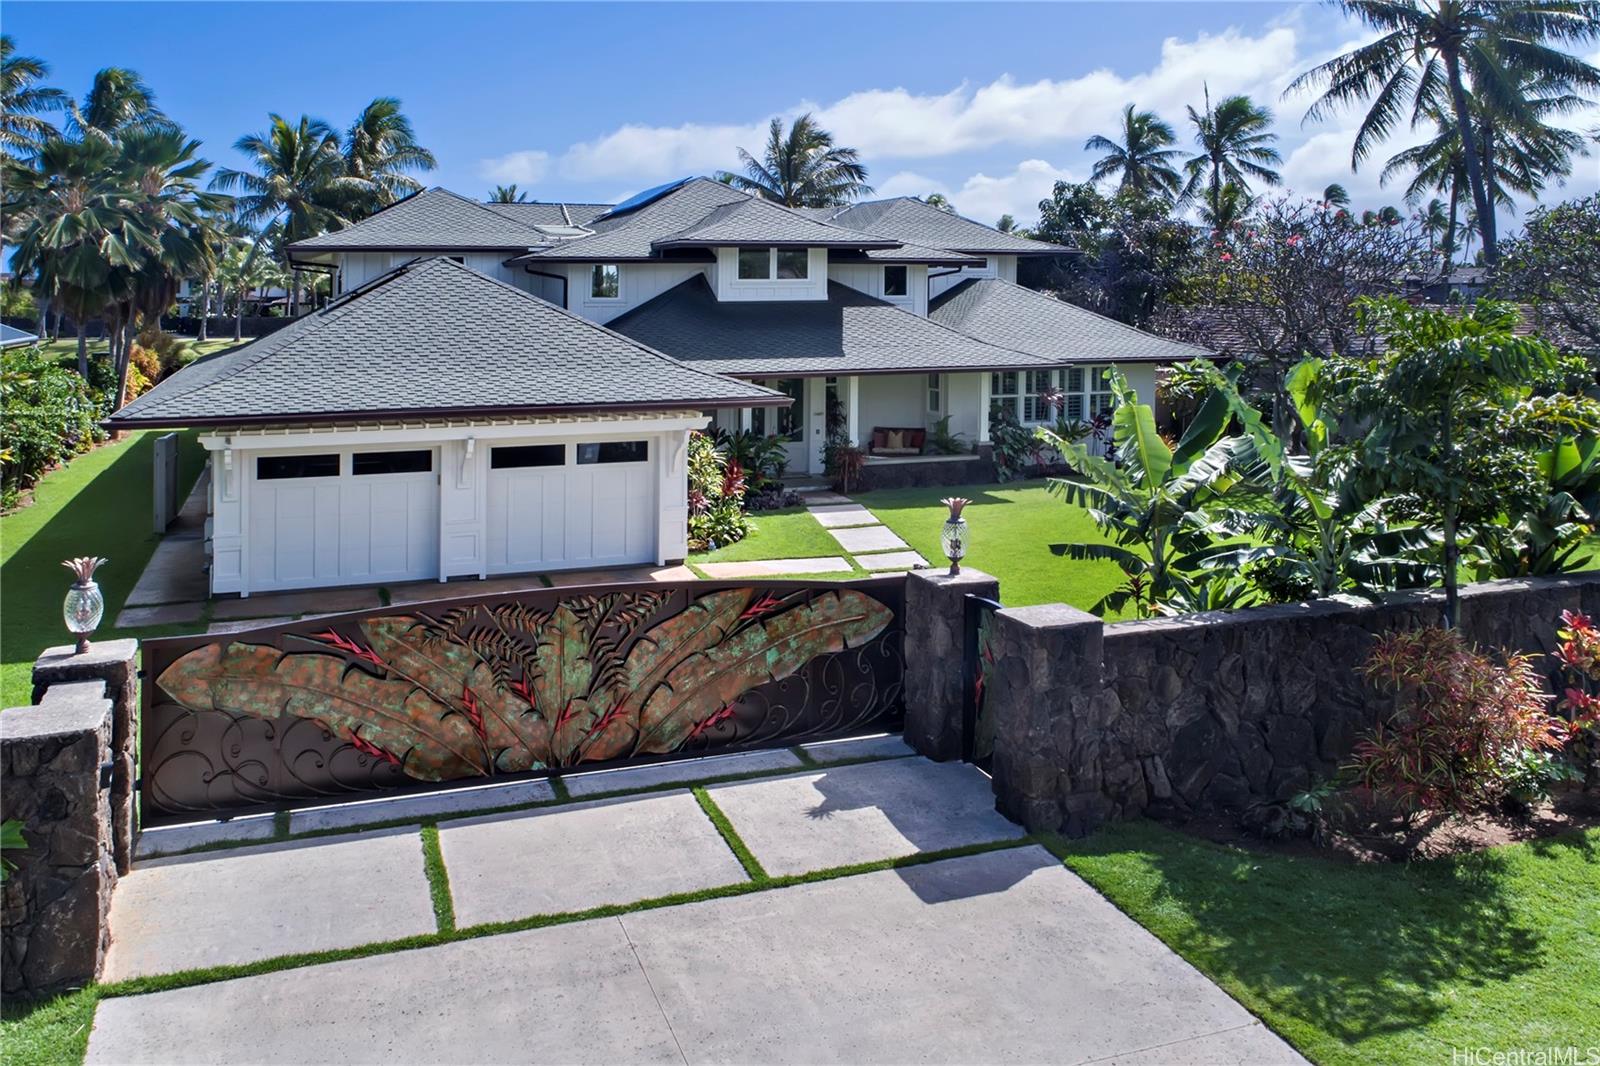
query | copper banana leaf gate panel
(462,691)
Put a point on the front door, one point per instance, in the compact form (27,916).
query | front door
(788,422)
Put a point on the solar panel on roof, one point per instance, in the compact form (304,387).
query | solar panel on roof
(633,203)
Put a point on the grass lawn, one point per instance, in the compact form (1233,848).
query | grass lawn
(69,346)
(1375,963)
(98,504)
(1012,528)
(787,534)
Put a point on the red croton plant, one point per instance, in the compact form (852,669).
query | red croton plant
(1579,655)
(1463,719)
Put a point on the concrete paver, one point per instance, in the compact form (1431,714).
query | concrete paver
(570,993)
(906,560)
(237,906)
(862,813)
(176,573)
(822,497)
(826,751)
(565,578)
(314,601)
(164,615)
(684,770)
(429,591)
(586,855)
(827,564)
(867,539)
(835,515)
(172,839)
(427,805)
(999,957)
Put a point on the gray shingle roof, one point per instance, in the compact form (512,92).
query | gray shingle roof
(631,236)
(1009,315)
(433,219)
(753,220)
(848,333)
(540,213)
(907,253)
(431,337)
(905,218)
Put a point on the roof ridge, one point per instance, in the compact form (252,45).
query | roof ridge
(481,206)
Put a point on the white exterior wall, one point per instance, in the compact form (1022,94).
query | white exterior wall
(729,286)
(358,268)
(868,278)
(963,402)
(639,283)
(893,401)
(1003,267)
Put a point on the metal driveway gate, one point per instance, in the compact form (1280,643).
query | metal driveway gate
(523,684)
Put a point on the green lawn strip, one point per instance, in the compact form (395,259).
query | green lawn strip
(562,798)
(1013,527)
(804,756)
(98,504)
(735,842)
(791,533)
(444,907)
(1375,962)
(559,787)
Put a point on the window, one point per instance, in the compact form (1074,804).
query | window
(524,455)
(283,467)
(605,282)
(457,259)
(764,264)
(1040,391)
(783,421)
(983,264)
(614,451)
(1101,401)
(413,462)
(1073,408)
(1003,393)
(755,264)
(894,281)
(935,399)
(1086,392)
(793,264)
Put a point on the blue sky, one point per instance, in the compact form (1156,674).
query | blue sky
(987,103)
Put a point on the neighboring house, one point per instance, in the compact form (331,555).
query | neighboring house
(12,337)
(501,388)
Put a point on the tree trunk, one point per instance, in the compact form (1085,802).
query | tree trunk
(1469,150)
(83,350)
(44,319)
(238,317)
(1450,227)
(205,310)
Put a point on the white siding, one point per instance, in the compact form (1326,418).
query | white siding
(813,287)
(639,284)
(893,401)
(358,268)
(963,402)
(868,278)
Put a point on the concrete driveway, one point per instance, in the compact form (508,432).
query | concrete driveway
(982,956)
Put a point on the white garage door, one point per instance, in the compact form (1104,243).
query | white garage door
(559,506)
(349,517)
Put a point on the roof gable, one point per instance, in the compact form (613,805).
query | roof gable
(432,219)
(431,337)
(762,222)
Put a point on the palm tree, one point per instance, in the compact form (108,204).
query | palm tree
(508,194)
(1007,224)
(1428,53)
(940,201)
(1230,208)
(381,148)
(298,187)
(1336,195)
(118,100)
(23,100)
(1435,222)
(1143,157)
(1235,141)
(802,168)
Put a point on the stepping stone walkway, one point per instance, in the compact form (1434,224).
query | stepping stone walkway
(873,545)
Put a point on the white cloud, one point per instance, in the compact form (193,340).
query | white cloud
(520,167)
(660,151)
(986,198)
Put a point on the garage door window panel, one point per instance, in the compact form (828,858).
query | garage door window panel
(366,464)
(524,456)
(287,467)
(614,451)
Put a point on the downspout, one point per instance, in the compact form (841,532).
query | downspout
(554,277)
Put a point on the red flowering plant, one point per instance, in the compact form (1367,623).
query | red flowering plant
(1579,656)
(1465,728)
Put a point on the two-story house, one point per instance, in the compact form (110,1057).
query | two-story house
(503,388)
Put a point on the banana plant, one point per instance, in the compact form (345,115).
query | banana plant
(1161,505)
(1550,538)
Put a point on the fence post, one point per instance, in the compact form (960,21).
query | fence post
(935,657)
(113,664)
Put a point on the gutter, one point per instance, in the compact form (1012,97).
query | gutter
(566,304)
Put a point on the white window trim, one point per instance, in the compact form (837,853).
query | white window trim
(772,266)
(887,295)
(934,390)
(1086,393)
(592,298)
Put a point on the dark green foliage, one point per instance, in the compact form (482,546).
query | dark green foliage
(50,416)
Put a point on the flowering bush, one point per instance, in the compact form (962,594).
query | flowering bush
(1579,656)
(1465,725)
(716,496)
(50,416)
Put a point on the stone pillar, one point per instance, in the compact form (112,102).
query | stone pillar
(934,652)
(112,662)
(55,931)
(1043,694)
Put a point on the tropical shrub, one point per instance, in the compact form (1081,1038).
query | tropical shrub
(847,464)
(165,354)
(716,496)
(11,839)
(1579,656)
(1015,446)
(1466,727)
(942,442)
(763,459)
(50,416)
